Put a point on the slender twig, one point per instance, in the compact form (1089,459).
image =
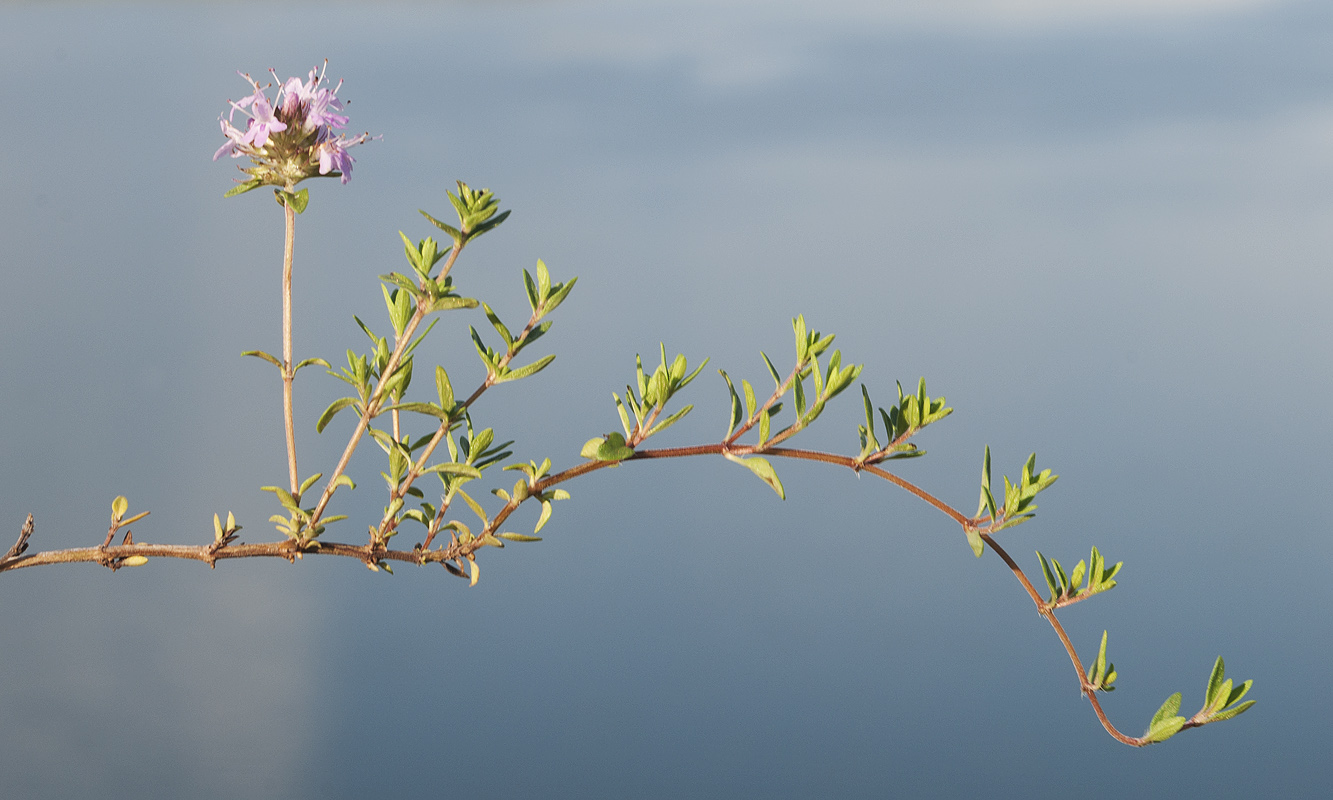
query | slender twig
(22,544)
(419,466)
(288,371)
(457,551)
(777,395)
(377,397)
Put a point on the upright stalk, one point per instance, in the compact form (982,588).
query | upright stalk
(288,372)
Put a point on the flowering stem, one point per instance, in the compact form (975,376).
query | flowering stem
(288,373)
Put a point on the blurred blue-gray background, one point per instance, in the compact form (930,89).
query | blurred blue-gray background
(1101,229)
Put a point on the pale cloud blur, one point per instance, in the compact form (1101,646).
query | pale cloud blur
(756,42)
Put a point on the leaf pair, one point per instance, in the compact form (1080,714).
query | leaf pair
(1101,673)
(543,296)
(1221,701)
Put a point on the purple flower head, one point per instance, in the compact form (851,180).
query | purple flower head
(291,137)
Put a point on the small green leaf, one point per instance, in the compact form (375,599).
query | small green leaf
(1161,731)
(523,372)
(518,537)
(449,303)
(1215,683)
(305,485)
(453,232)
(475,506)
(309,362)
(987,502)
(242,188)
(1168,709)
(332,410)
(613,448)
(772,370)
(261,354)
(975,541)
(764,470)
(1232,712)
(545,515)
(118,507)
(453,468)
(669,421)
(134,561)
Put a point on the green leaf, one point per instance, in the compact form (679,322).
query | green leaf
(763,470)
(1167,726)
(332,410)
(453,468)
(975,541)
(450,302)
(305,485)
(1050,579)
(613,448)
(1215,683)
(772,370)
(534,298)
(118,507)
(987,502)
(242,188)
(309,361)
(671,420)
(267,357)
(545,515)
(523,372)
(429,409)
(1168,709)
(475,506)
(558,294)
(453,232)
(518,537)
(735,405)
(444,388)
(499,326)
(344,480)
(297,200)
(1076,577)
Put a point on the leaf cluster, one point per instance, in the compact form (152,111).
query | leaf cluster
(297,524)
(901,422)
(1018,506)
(476,209)
(1067,589)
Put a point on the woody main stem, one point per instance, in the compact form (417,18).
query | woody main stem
(288,373)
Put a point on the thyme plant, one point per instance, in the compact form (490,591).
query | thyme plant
(295,136)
